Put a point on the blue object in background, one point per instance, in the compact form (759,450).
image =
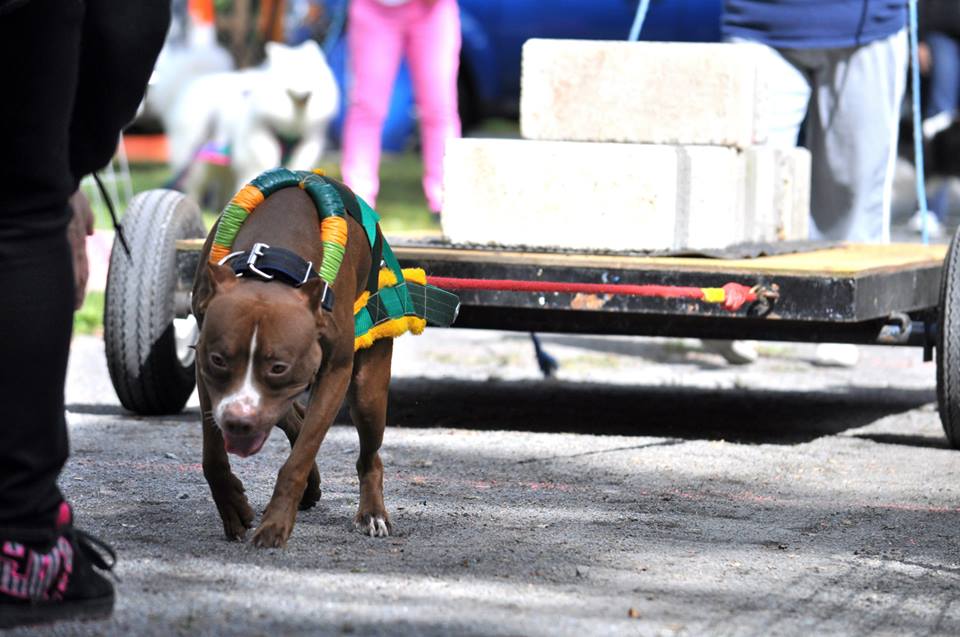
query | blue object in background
(493,35)
(494,32)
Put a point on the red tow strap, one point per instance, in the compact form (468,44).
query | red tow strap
(731,296)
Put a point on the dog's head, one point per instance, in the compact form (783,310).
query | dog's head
(258,350)
(298,84)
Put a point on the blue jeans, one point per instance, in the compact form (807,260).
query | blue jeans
(943,89)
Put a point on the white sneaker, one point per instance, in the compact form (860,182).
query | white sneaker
(837,355)
(935,229)
(735,352)
(933,125)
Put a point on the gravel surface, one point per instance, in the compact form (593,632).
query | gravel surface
(649,489)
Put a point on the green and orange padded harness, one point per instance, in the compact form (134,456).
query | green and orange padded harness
(395,300)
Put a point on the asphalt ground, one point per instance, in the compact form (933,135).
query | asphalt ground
(649,489)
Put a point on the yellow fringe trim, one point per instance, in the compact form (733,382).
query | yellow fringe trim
(319,171)
(334,229)
(361,302)
(248,198)
(415,275)
(714,295)
(390,329)
(387,278)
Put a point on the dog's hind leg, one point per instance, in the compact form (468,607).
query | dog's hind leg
(368,409)
(291,425)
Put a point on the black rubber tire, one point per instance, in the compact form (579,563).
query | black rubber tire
(948,344)
(140,304)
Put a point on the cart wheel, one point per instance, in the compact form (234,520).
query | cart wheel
(147,325)
(948,344)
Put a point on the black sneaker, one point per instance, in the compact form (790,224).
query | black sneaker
(52,579)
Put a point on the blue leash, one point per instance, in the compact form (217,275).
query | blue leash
(638,20)
(917,135)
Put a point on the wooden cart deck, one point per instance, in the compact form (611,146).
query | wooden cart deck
(855,259)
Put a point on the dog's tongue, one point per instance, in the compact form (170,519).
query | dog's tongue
(244,446)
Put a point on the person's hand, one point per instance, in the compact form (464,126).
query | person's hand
(80,227)
(924,58)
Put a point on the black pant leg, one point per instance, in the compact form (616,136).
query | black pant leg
(39,47)
(36,279)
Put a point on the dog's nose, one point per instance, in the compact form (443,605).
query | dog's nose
(239,419)
(299,99)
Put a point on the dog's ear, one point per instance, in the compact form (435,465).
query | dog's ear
(273,50)
(222,277)
(312,292)
(218,279)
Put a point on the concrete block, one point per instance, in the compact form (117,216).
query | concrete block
(617,197)
(795,218)
(643,92)
(776,205)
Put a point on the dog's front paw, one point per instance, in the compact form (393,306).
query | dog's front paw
(273,532)
(234,509)
(373,524)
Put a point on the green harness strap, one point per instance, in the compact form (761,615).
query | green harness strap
(403,299)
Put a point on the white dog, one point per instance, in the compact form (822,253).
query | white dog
(255,119)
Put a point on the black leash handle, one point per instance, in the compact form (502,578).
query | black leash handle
(113,215)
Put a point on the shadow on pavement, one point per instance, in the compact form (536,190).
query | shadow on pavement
(741,415)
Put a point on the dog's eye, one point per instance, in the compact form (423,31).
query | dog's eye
(217,360)
(278,368)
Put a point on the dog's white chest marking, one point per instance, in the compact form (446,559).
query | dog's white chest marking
(246,400)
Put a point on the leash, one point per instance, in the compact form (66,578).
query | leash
(917,135)
(638,20)
(113,214)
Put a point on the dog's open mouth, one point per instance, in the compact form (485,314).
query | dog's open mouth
(245,446)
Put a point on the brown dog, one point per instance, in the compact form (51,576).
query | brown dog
(262,343)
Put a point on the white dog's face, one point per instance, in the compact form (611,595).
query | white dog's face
(300,71)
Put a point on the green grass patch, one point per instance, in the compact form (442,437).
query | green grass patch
(89,318)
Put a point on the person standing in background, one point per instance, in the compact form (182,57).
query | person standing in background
(840,66)
(76,71)
(379,34)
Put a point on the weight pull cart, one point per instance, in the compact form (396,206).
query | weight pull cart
(900,294)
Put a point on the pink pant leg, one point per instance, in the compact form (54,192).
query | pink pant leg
(433,52)
(375,47)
